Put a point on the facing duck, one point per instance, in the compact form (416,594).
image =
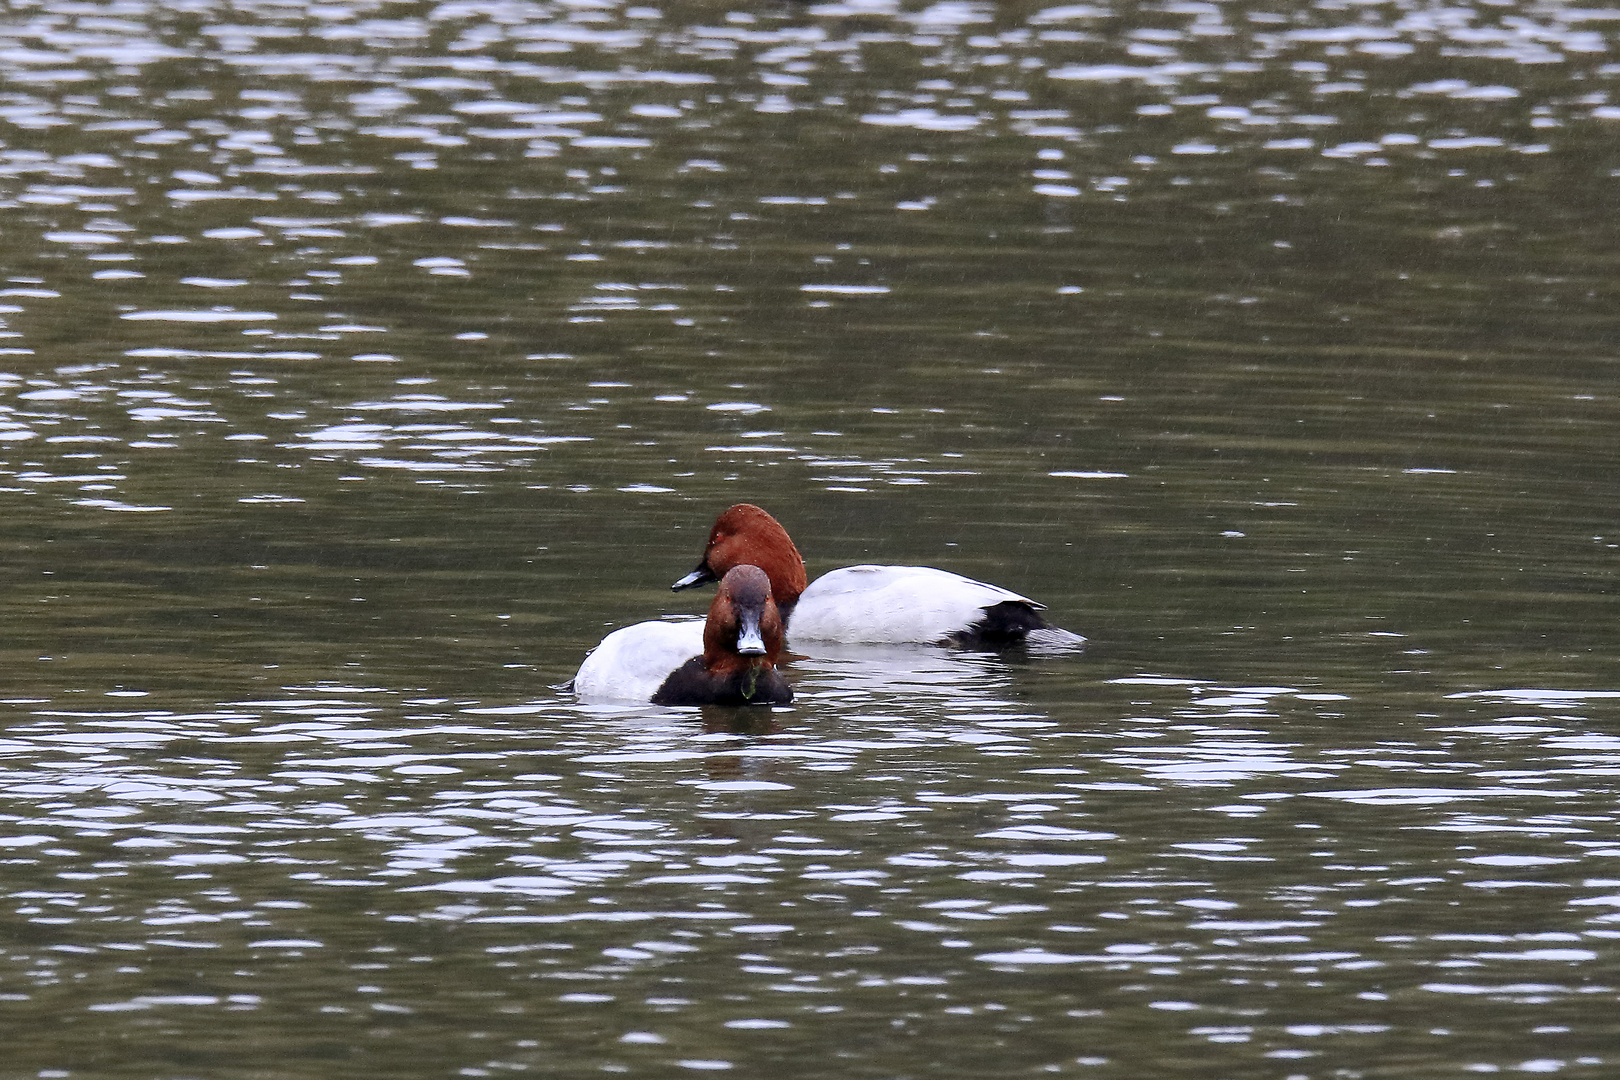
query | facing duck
(653,661)
(742,640)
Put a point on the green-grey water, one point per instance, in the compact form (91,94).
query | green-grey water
(361,364)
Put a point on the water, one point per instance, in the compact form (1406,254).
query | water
(364,363)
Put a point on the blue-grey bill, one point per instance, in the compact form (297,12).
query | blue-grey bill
(750,642)
(700,576)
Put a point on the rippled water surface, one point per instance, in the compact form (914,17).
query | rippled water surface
(361,364)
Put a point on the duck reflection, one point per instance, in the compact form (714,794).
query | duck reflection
(828,669)
(740,720)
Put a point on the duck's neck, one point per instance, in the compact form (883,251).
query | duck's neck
(742,676)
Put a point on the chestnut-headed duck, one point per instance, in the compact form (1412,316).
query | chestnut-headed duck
(872,604)
(741,641)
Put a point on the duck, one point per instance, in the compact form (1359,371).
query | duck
(872,604)
(654,662)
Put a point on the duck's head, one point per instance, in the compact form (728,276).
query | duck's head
(743,624)
(745,535)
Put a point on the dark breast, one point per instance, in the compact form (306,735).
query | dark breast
(693,684)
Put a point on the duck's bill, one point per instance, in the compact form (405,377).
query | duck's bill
(750,642)
(701,576)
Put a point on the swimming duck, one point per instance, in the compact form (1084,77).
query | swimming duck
(872,604)
(653,661)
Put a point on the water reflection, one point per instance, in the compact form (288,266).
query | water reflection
(860,674)
(645,864)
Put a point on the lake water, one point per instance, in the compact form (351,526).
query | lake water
(361,364)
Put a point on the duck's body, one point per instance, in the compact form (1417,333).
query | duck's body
(872,604)
(631,663)
(727,659)
(891,605)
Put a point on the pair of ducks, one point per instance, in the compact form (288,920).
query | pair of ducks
(730,657)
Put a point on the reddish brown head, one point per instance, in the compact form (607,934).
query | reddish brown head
(744,627)
(745,535)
